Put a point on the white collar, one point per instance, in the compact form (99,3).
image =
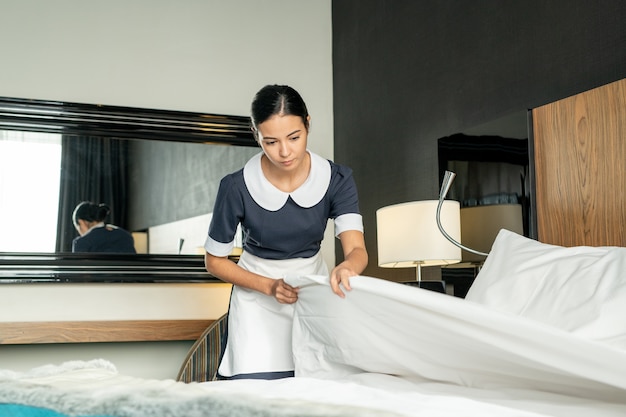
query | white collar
(95,226)
(266,195)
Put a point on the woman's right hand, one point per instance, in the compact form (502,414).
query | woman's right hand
(228,271)
(284,293)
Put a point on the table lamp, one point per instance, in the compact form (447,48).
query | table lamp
(408,235)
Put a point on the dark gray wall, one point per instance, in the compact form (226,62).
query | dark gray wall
(409,72)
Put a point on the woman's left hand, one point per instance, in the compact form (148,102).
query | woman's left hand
(355,261)
(340,277)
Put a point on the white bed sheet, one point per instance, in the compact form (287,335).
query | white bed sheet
(441,344)
(385,350)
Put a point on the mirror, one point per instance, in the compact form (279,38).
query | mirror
(157,170)
(492,186)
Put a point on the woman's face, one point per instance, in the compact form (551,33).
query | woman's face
(284,141)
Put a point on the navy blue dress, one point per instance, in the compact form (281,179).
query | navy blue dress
(104,239)
(280,225)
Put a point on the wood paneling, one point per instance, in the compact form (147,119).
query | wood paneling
(12,333)
(580,168)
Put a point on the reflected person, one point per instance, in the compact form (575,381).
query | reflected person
(95,235)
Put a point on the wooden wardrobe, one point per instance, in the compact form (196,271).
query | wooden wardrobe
(578,150)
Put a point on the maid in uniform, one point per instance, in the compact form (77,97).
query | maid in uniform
(95,235)
(283,198)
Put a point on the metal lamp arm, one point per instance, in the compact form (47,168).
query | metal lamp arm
(445,187)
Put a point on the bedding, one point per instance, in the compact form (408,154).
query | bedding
(394,350)
(580,289)
(95,388)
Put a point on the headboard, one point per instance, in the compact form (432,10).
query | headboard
(579,147)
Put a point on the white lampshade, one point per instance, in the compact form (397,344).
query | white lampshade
(408,235)
(481,224)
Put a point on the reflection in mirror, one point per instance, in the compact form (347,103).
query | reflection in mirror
(157,170)
(491,162)
(147,185)
(492,186)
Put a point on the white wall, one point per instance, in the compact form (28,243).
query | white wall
(99,301)
(192,55)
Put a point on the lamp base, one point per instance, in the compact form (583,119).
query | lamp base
(438,286)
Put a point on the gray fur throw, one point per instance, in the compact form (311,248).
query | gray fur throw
(94,387)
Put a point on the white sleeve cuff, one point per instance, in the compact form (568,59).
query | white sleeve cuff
(216,248)
(349,221)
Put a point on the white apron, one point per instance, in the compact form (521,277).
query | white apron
(259,327)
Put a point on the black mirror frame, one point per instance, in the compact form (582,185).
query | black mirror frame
(119,122)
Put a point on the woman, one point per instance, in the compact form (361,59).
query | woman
(283,198)
(95,236)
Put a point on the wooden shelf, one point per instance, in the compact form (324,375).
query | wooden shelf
(14,333)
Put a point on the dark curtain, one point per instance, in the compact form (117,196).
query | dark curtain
(95,169)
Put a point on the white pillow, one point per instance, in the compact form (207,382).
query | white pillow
(579,289)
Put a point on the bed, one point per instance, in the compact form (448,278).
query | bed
(541,332)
